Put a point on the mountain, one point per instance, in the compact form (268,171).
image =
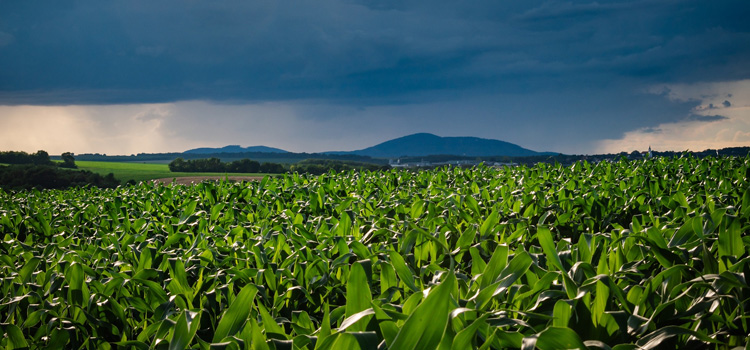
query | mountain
(235,149)
(415,145)
(424,144)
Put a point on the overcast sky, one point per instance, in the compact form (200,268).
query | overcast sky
(122,77)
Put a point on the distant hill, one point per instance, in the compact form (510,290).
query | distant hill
(234,149)
(424,144)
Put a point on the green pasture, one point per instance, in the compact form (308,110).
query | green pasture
(125,171)
(271,159)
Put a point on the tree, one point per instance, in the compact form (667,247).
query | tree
(215,165)
(178,165)
(243,166)
(41,158)
(272,168)
(212,165)
(68,160)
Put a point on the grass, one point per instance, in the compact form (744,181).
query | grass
(280,160)
(125,171)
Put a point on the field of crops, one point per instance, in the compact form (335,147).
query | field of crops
(138,172)
(650,254)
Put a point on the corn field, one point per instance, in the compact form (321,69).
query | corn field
(649,254)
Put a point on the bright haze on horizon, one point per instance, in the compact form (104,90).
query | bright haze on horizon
(123,77)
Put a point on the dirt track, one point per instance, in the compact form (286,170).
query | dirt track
(196,179)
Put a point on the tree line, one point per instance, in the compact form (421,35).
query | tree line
(322,166)
(307,166)
(36,170)
(38,158)
(215,165)
(28,176)
(19,157)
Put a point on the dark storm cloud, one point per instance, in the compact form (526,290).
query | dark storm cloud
(354,51)
(651,130)
(5,39)
(706,118)
(527,72)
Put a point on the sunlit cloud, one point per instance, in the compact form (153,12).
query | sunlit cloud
(114,129)
(721,118)
(176,127)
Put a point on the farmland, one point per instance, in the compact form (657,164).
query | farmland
(125,171)
(635,254)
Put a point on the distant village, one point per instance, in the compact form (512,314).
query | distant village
(420,162)
(564,159)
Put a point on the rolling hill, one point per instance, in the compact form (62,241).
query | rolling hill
(424,144)
(234,149)
(415,145)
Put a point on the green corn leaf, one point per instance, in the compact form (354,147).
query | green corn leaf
(129,344)
(745,206)
(75,276)
(411,303)
(28,269)
(358,295)
(155,290)
(600,302)
(325,324)
(387,278)
(16,340)
(179,283)
(463,340)
(402,270)
(656,236)
(472,204)
(684,234)
(508,339)
(184,330)
(559,338)
(269,323)
(548,246)
(466,238)
(561,314)
(388,328)
(655,338)
(356,341)
(345,341)
(509,275)
(259,339)
(425,326)
(488,223)
(351,320)
(477,264)
(417,209)
(730,240)
(216,211)
(236,315)
(497,263)
(543,283)
(515,269)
